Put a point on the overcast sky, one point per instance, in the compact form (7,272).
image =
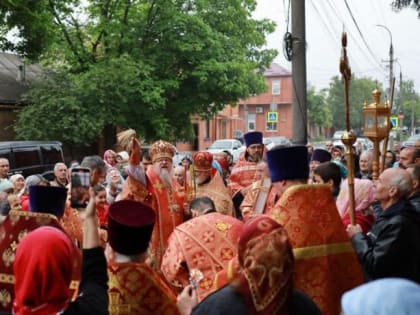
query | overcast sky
(324,25)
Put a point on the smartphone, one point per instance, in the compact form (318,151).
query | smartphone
(80,183)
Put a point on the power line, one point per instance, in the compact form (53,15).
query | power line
(361,34)
(335,12)
(350,33)
(331,33)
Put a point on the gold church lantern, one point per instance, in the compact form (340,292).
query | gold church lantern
(376,125)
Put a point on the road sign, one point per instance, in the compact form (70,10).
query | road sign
(394,122)
(272,117)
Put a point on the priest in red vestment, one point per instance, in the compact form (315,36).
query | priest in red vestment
(206,184)
(157,188)
(203,245)
(325,263)
(134,287)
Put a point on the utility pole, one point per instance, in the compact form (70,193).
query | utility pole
(391,59)
(299,107)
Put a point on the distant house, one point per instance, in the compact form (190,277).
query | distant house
(15,77)
(269,112)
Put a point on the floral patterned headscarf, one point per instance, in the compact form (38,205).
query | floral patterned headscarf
(266,259)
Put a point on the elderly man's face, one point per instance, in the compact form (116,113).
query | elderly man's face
(382,187)
(162,164)
(365,163)
(4,168)
(60,172)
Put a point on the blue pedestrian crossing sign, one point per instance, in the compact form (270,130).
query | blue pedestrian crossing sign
(394,122)
(272,117)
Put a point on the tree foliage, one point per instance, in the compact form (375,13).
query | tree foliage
(408,102)
(319,114)
(147,65)
(360,92)
(401,4)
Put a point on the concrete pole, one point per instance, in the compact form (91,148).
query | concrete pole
(299,108)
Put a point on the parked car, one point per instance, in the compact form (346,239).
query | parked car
(271,142)
(234,146)
(366,143)
(411,140)
(337,135)
(31,157)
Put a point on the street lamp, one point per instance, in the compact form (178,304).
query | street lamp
(376,126)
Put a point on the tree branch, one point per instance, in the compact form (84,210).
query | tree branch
(66,34)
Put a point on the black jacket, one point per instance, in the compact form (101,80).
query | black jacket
(226,301)
(392,247)
(415,201)
(93,288)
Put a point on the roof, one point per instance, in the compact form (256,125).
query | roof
(15,77)
(276,70)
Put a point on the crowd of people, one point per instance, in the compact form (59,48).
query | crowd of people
(273,233)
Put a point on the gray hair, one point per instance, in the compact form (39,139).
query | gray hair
(93,162)
(58,164)
(402,183)
(368,154)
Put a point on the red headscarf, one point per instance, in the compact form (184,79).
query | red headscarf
(266,258)
(43,268)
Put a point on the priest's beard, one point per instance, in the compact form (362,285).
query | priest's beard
(165,176)
(199,180)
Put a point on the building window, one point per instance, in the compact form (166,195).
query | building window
(251,122)
(271,126)
(275,87)
(207,129)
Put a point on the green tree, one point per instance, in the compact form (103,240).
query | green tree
(32,22)
(409,103)
(319,114)
(148,65)
(360,92)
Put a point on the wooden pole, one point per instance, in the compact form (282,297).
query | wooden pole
(385,143)
(349,138)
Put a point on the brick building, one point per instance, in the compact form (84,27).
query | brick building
(269,112)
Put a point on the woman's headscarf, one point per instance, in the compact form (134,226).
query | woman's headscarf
(363,198)
(266,259)
(43,269)
(106,156)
